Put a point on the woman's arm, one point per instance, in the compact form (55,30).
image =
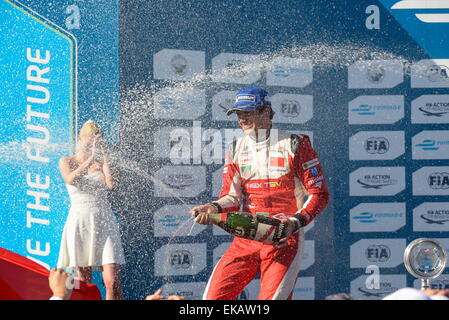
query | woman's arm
(70,176)
(108,174)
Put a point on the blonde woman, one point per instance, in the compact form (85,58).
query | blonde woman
(91,238)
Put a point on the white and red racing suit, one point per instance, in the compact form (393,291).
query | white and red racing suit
(271,177)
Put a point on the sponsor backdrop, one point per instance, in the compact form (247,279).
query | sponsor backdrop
(366,80)
(357,76)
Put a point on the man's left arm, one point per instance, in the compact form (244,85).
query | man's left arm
(310,172)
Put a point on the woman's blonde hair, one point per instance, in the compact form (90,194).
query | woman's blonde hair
(90,128)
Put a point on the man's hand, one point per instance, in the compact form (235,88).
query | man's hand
(155,296)
(57,281)
(203,217)
(158,296)
(436,292)
(290,227)
(175,297)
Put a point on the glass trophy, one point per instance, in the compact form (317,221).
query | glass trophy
(425,259)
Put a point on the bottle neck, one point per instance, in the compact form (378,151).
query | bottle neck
(217,217)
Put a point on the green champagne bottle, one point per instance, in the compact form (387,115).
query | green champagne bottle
(249,226)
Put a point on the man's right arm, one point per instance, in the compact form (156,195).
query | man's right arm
(231,191)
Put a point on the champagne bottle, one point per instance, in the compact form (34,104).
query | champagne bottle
(249,226)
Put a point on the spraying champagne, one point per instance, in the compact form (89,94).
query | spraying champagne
(249,226)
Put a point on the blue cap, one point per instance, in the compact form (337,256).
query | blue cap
(249,99)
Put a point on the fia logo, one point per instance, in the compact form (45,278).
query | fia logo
(290,108)
(181,259)
(440,284)
(378,253)
(438,180)
(379,145)
(422,5)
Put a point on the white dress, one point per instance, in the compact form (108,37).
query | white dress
(91,236)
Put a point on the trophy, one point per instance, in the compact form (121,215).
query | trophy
(425,259)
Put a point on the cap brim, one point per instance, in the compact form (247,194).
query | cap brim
(242,106)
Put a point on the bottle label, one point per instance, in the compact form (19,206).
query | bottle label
(252,226)
(265,233)
(239,232)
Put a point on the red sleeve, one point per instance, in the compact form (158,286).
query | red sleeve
(310,172)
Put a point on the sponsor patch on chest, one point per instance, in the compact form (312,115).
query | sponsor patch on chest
(245,171)
(277,162)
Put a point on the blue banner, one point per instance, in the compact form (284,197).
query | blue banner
(38,77)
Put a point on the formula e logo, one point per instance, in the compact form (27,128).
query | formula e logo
(428,144)
(168,104)
(365,217)
(377,217)
(281,71)
(438,180)
(290,108)
(431,144)
(418,5)
(378,253)
(376,109)
(379,145)
(180,259)
(364,110)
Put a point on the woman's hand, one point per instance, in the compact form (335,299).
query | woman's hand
(98,140)
(98,148)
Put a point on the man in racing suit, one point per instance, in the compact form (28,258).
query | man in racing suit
(267,172)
